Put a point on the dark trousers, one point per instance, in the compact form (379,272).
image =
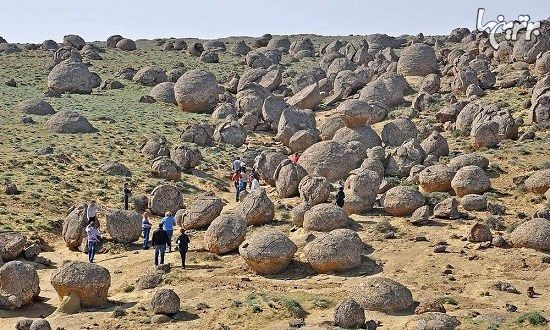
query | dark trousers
(126,199)
(159,252)
(238,191)
(92,246)
(146,232)
(170,233)
(183,252)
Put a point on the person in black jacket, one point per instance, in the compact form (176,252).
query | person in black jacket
(183,245)
(340,197)
(159,241)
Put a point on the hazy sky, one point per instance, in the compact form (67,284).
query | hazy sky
(37,20)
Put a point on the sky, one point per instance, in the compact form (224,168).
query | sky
(37,20)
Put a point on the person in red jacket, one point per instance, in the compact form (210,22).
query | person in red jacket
(295,158)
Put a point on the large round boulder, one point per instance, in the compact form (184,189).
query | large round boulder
(198,133)
(432,321)
(470,180)
(11,245)
(230,132)
(197,91)
(165,301)
(225,233)
(165,168)
(69,122)
(268,252)
(74,227)
(126,44)
(417,60)
(436,178)
(403,200)
(124,226)
(185,157)
(165,198)
(257,208)
(325,217)
(349,315)
(336,251)
(74,40)
(331,160)
(538,182)
(533,234)
(202,211)
(398,131)
(71,76)
(356,113)
(150,76)
(361,189)
(287,179)
(293,120)
(382,294)
(35,107)
(267,163)
(461,161)
(88,281)
(314,189)
(20,280)
(163,92)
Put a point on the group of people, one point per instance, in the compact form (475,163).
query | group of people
(160,240)
(241,178)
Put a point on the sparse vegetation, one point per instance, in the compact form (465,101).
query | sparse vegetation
(533,318)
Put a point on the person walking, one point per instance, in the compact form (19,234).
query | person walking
(127,194)
(146,229)
(168,224)
(93,239)
(340,196)
(159,241)
(237,164)
(244,179)
(183,245)
(236,178)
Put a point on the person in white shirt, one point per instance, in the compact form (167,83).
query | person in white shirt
(255,184)
(93,239)
(91,212)
(237,165)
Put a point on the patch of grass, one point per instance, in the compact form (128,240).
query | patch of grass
(532,317)
(436,197)
(293,307)
(448,300)
(321,303)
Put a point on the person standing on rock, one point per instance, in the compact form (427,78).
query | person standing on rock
(127,194)
(295,158)
(160,240)
(237,165)
(236,178)
(93,239)
(168,223)
(146,229)
(183,245)
(91,212)
(340,196)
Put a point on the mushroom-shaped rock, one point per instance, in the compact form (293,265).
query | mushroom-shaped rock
(533,234)
(165,198)
(331,159)
(11,245)
(163,92)
(230,132)
(538,182)
(314,189)
(225,233)
(35,107)
(335,251)
(88,281)
(470,180)
(20,280)
(417,60)
(287,179)
(382,294)
(349,315)
(268,252)
(403,200)
(71,76)
(398,131)
(150,76)
(165,301)
(197,91)
(432,321)
(202,212)
(124,226)
(325,217)
(69,122)
(257,208)
(436,178)
(74,227)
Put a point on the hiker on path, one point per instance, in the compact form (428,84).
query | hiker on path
(146,229)
(168,224)
(127,194)
(236,178)
(159,241)
(183,245)
(237,165)
(244,179)
(93,239)
(340,196)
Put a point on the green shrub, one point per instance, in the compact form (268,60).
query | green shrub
(534,318)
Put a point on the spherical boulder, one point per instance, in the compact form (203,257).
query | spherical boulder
(225,233)
(473,202)
(268,252)
(314,189)
(114,168)
(19,279)
(287,179)
(403,200)
(325,217)
(335,251)
(126,44)
(198,133)
(90,282)
(432,321)
(267,163)
(417,60)
(71,76)
(349,315)
(382,294)
(185,157)
(257,208)
(11,245)
(165,301)
(74,40)
(164,92)
(165,198)
(355,113)
(69,122)
(470,180)
(533,234)
(538,182)
(124,226)
(35,107)
(230,132)
(436,178)
(361,189)
(202,212)
(155,146)
(164,167)
(398,131)
(461,161)
(331,160)
(197,91)
(150,76)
